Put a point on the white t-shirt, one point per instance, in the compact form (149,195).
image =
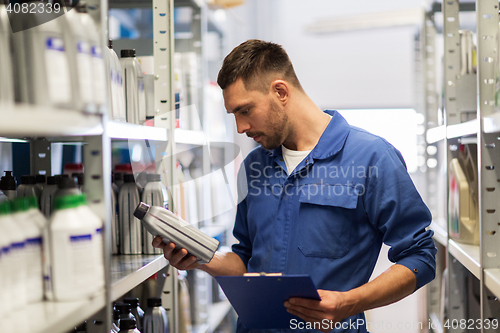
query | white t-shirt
(293,157)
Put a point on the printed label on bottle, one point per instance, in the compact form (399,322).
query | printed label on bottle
(84,60)
(59,84)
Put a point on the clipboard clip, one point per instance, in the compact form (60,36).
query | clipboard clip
(263,274)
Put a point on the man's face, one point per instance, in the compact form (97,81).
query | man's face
(257,115)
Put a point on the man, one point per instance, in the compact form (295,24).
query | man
(322,197)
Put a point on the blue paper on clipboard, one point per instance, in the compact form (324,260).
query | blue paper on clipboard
(258,300)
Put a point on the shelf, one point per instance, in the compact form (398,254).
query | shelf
(190,137)
(50,317)
(128,271)
(491,124)
(470,127)
(25,121)
(492,280)
(468,255)
(126,131)
(440,234)
(436,134)
(35,121)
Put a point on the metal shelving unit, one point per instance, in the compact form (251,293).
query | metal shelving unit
(126,271)
(469,262)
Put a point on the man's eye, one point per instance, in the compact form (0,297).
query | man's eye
(244,112)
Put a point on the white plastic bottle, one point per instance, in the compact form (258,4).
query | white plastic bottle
(43,79)
(154,194)
(47,196)
(6,280)
(6,77)
(97,61)
(33,235)
(130,226)
(97,282)
(18,274)
(72,256)
(80,59)
(117,96)
(135,100)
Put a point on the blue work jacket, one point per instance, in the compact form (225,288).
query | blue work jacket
(330,216)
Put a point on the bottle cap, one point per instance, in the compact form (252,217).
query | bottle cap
(117,176)
(153,177)
(21,204)
(67,201)
(8,182)
(66,183)
(141,210)
(51,180)
(154,301)
(133,301)
(124,308)
(59,178)
(40,179)
(127,324)
(127,53)
(128,178)
(25,180)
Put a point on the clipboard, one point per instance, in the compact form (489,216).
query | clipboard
(258,300)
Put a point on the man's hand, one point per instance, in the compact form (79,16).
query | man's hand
(332,307)
(176,257)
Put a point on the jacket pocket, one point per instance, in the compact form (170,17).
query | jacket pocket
(325,220)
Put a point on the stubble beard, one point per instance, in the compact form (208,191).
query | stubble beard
(277,124)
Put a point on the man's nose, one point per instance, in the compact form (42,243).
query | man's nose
(242,126)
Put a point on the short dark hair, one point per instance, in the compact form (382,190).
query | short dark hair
(257,63)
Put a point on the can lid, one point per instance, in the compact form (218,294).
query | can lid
(127,324)
(67,201)
(40,179)
(133,301)
(153,177)
(127,53)
(154,301)
(141,210)
(21,204)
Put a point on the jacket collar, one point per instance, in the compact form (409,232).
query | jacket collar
(331,141)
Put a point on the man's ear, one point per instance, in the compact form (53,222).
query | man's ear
(281,90)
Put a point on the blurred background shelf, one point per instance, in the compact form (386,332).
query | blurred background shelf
(128,271)
(468,255)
